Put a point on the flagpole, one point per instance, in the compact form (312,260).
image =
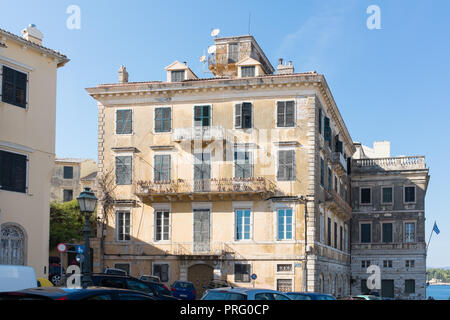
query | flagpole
(432,229)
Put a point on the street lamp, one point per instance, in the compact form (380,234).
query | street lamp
(87,202)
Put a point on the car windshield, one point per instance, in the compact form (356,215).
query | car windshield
(324,298)
(184,285)
(299,296)
(224,295)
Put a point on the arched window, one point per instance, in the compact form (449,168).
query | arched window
(12,245)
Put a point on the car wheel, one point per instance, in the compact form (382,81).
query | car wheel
(56,279)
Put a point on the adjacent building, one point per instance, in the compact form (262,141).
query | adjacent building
(70,177)
(388,221)
(239,174)
(28,73)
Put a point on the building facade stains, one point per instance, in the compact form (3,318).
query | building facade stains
(219,178)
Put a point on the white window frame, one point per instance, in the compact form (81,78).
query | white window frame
(242,205)
(163,153)
(117,211)
(277,162)
(155,263)
(250,273)
(292,278)
(27,168)
(115,122)
(285,207)
(282,273)
(162,207)
(234,115)
(404,231)
(23,69)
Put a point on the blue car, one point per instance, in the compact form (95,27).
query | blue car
(310,296)
(184,290)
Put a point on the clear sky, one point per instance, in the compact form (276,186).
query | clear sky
(390,83)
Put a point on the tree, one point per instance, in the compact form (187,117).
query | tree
(67,222)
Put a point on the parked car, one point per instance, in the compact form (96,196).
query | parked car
(160,288)
(43,282)
(54,273)
(128,282)
(243,294)
(310,296)
(13,278)
(118,272)
(150,278)
(351,298)
(368,297)
(184,290)
(91,293)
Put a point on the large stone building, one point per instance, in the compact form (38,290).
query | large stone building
(27,146)
(212,175)
(388,221)
(71,176)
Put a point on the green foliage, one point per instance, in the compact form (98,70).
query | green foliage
(441,274)
(67,222)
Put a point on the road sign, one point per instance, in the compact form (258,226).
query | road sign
(254,276)
(80,258)
(79,248)
(61,247)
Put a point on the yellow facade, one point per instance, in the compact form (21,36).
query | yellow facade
(29,131)
(281,259)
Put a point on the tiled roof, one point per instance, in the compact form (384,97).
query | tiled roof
(61,57)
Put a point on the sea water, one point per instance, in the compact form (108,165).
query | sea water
(439,292)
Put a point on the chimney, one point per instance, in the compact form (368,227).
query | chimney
(31,33)
(123,74)
(283,68)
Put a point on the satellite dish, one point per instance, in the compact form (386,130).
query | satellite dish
(202,58)
(215,32)
(212,49)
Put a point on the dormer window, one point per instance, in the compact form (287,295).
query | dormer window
(177,75)
(247,71)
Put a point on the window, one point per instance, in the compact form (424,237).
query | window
(14,87)
(12,245)
(243,115)
(242,224)
(138,286)
(243,166)
(284,224)
(161,170)
(321,227)
(366,232)
(163,119)
(284,285)
(330,179)
(123,266)
(341,235)
(233,52)
(386,195)
(365,264)
(111,282)
(329,232)
(322,172)
(387,232)
(202,116)
(123,226)
(241,272)
(410,194)
(124,170)
(286,165)
(177,75)
(124,120)
(67,195)
(13,171)
(410,286)
(409,263)
(366,196)
(162,226)
(335,184)
(162,271)
(387,263)
(247,71)
(320,121)
(68,172)
(335,234)
(410,232)
(285,113)
(327,131)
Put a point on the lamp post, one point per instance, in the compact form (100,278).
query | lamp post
(87,202)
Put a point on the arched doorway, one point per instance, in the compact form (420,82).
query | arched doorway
(12,245)
(200,275)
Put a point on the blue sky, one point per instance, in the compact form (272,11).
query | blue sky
(389,84)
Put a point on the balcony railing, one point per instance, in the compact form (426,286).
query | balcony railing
(338,159)
(394,163)
(333,199)
(218,186)
(199,133)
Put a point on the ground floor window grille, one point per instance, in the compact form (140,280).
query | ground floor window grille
(12,246)
(284,285)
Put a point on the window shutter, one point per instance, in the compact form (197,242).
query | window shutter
(119,121)
(128,121)
(327,129)
(281,175)
(167,122)
(290,165)
(320,121)
(280,114)
(238,116)
(123,170)
(290,114)
(165,167)
(158,120)
(157,168)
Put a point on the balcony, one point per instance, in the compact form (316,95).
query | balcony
(389,246)
(210,189)
(199,134)
(388,164)
(334,201)
(339,162)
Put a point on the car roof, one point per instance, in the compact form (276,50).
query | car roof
(243,290)
(310,293)
(56,292)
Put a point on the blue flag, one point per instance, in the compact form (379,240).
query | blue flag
(436,229)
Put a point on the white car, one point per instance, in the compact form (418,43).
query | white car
(14,278)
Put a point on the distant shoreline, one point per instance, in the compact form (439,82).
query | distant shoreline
(439,284)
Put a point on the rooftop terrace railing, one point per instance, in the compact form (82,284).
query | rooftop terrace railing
(394,163)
